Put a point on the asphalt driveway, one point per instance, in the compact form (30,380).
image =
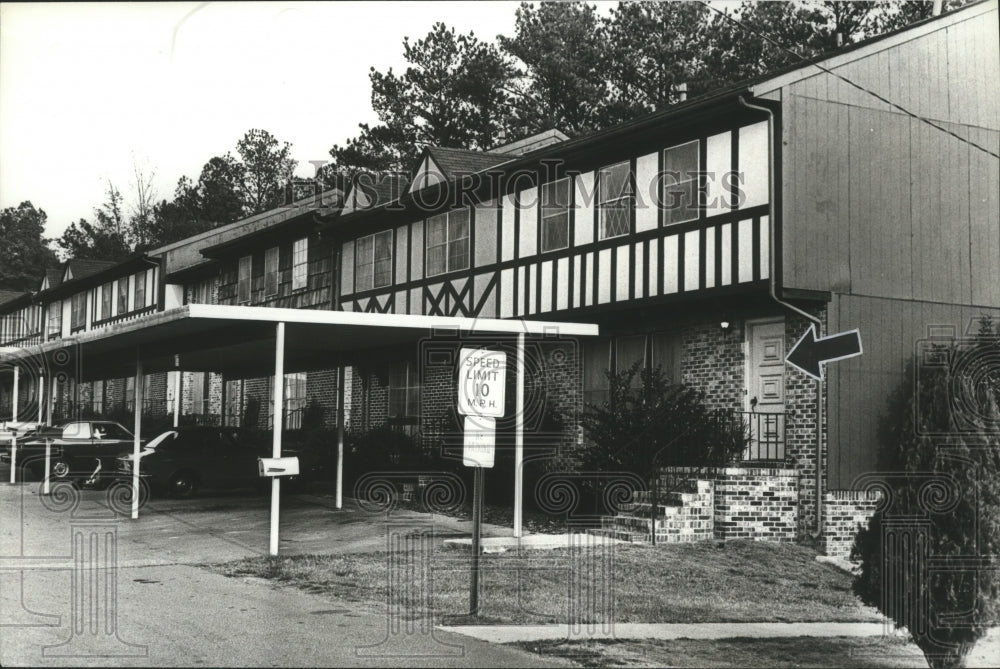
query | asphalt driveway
(81,585)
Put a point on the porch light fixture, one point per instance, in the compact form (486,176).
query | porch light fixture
(725,325)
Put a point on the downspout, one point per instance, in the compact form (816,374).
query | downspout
(772,181)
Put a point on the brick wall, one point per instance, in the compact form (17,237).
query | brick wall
(800,425)
(756,503)
(843,512)
(713,360)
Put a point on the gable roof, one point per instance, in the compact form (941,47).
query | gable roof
(53,277)
(456,162)
(8,295)
(80,268)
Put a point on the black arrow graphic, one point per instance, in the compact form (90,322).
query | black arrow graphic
(810,354)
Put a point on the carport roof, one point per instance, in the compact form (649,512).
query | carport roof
(238,341)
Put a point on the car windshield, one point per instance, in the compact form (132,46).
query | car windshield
(159,439)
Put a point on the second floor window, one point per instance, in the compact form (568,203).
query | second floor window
(271,272)
(555,215)
(55,318)
(680,183)
(78,311)
(243,280)
(448,242)
(300,263)
(106,296)
(139,297)
(373,261)
(614,201)
(123,295)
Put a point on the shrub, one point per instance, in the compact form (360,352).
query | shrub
(942,471)
(656,423)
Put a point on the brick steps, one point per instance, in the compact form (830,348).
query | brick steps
(679,516)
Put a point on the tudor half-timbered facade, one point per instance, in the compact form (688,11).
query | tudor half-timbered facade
(858,192)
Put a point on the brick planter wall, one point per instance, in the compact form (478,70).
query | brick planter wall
(843,511)
(752,503)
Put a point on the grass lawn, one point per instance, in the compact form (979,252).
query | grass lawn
(701,582)
(788,652)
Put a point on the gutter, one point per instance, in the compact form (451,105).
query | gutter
(772,181)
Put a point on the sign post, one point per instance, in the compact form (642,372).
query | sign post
(482,375)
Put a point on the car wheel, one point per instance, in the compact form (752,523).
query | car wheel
(60,470)
(183,484)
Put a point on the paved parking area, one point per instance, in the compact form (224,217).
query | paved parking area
(81,585)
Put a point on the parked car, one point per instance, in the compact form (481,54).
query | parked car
(14,428)
(183,460)
(82,451)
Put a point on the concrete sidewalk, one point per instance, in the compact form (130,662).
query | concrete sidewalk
(666,631)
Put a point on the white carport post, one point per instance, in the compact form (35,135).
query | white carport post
(177,397)
(52,400)
(519,439)
(138,399)
(279,411)
(341,373)
(41,394)
(17,381)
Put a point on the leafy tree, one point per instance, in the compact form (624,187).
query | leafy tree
(267,164)
(178,218)
(453,93)
(218,196)
(560,81)
(942,465)
(650,49)
(25,252)
(106,238)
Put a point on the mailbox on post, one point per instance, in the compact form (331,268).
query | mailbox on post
(278,466)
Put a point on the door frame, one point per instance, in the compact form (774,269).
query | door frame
(748,326)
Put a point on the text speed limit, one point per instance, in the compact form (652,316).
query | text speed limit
(482,378)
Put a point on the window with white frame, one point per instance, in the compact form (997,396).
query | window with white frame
(614,200)
(295,400)
(97,397)
(404,396)
(373,261)
(555,215)
(78,311)
(243,279)
(271,272)
(55,318)
(123,295)
(680,183)
(139,293)
(448,242)
(300,263)
(106,297)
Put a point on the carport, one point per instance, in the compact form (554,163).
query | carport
(258,341)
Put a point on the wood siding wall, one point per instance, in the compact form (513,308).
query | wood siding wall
(859,388)
(318,293)
(879,203)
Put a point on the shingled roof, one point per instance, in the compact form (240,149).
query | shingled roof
(81,268)
(456,162)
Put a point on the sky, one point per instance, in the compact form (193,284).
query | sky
(88,90)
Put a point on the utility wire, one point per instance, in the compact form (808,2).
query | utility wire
(849,82)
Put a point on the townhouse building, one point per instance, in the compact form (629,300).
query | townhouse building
(857,191)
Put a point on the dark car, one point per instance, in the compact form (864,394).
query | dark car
(82,451)
(182,460)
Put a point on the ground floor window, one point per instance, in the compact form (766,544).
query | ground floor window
(404,396)
(614,355)
(295,400)
(97,397)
